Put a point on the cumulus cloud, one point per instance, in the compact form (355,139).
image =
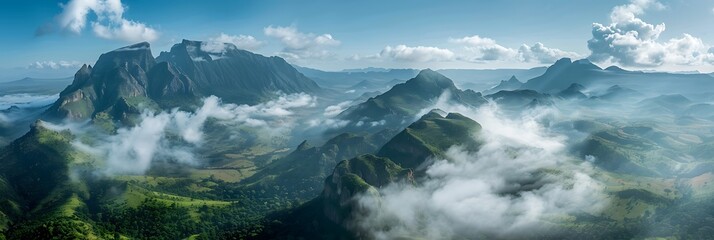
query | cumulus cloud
(484,49)
(55,64)
(299,45)
(218,44)
(630,41)
(542,54)
(108,23)
(416,54)
(507,189)
(174,135)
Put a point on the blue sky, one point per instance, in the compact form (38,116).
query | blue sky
(340,34)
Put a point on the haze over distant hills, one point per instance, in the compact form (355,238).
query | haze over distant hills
(476,79)
(398,106)
(565,72)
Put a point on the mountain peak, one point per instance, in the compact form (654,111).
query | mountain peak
(432,77)
(582,61)
(125,57)
(135,47)
(303,146)
(614,68)
(562,73)
(235,75)
(615,88)
(586,63)
(575,87)
(511,84)
(573,91)
(563,61)
(558,66)
(210,47)
(85,68)
(428,73)
(434,113)
(403,101)
(424,138)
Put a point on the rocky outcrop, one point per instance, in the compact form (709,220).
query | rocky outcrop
(233,74)
(131,76)
(117,74)
(360,175)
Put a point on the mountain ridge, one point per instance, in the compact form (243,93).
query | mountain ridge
(175,78)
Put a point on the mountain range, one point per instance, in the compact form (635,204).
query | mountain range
(128,76)
(403,158)
(242,187)
(401,104)
(565,72)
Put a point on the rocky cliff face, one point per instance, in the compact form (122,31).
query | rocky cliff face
(129,76)
(122,74)
(360,175)
(235,75)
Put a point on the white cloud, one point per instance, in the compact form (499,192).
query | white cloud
(416,54)
(630,41)
(485,49)
(299,45)
(134,149)
(217,44)
(125,30)
(542,54)
(327,123)
(377,123)
(334,110)
(109,22)
(500,191)
(54,64)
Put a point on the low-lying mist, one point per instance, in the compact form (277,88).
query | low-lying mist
(176,135)
(522,180)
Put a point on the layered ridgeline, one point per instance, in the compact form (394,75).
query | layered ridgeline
(511,84)
(400,105)
(303,171)
(127,77)
(565,72)
(403,158)
(48,189)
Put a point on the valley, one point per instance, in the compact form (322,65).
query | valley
(365,120)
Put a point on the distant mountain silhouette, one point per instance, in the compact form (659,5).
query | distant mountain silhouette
(565,72)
